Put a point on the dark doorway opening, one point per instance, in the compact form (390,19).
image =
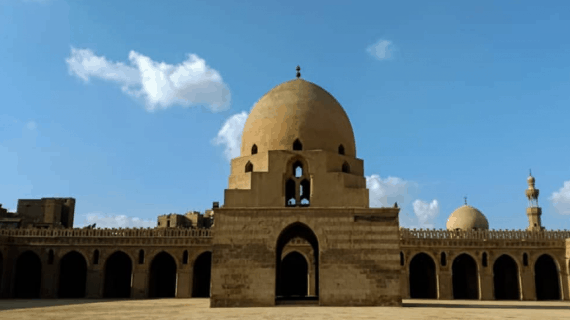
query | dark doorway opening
(295,275)
(202,275)
(72,275)
(291,274)
(1,271)
(162,276)
(546,279)
(28,276)
(118,273)
(465,279)
(423,280)
(506,278)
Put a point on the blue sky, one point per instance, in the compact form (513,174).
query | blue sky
(133,107)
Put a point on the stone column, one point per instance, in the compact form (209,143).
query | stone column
(184,283)
(486,281)
(445,284)
(528,287)
(140,283)
(404,284)
(95,282)
(50,279)
(564,284)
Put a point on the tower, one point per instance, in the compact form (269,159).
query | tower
(533,211)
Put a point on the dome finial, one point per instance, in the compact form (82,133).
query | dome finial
(465,198)
(298,72)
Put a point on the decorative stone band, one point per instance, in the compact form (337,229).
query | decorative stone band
(437,234)
(112,233)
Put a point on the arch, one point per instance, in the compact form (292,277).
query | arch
(96,257)
(118,274)
(525,259)
(402,260)
(295,275)
(443,259)
(484,259)
(297,145)
(305,193)
(162,277)
(248,167)
(202,275)
(465,277)
(298,169)
(28,276)
(341,149)
(423,278)
(290,193)
(506,278)
(345,167)
(72,275)
(546,278)
(294,230)
(254,149)
(185,257)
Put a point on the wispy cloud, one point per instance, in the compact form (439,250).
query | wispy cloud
(160,84)
(382,49)
(112,221)
(561,199)
(426,212)
(229,135)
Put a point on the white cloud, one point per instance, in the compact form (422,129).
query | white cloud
(381,50)
(161,85)
(230,135)
(426,212)
(112,221)
(561,199)
(384,192)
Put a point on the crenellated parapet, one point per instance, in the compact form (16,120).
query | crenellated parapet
(489,238)
(112,233)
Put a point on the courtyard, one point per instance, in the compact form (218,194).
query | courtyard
(199,309)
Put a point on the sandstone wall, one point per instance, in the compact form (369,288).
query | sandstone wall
(358,255)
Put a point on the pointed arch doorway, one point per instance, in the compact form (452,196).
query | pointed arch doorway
(291,272)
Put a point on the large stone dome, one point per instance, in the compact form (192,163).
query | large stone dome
(467,218)
(293,110)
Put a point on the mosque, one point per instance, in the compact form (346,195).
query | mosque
(295,227)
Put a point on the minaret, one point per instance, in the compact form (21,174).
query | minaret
(533,211)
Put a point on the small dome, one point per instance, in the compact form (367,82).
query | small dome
(530,179)
(298,110)
(467,218)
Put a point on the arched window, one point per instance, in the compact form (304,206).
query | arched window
(402,262)
(298,169)
(290,199)
(141,256)
(341,149)
(345,167)
(254,149)
(484,259)
(96,257)
(443,259)
(305,192)
(185,257)
(50,256)
(249,167)
(525,259)
(297,145)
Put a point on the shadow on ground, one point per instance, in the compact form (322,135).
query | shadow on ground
(472,305)
(11,304)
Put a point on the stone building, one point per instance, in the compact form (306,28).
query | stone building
(295,227)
